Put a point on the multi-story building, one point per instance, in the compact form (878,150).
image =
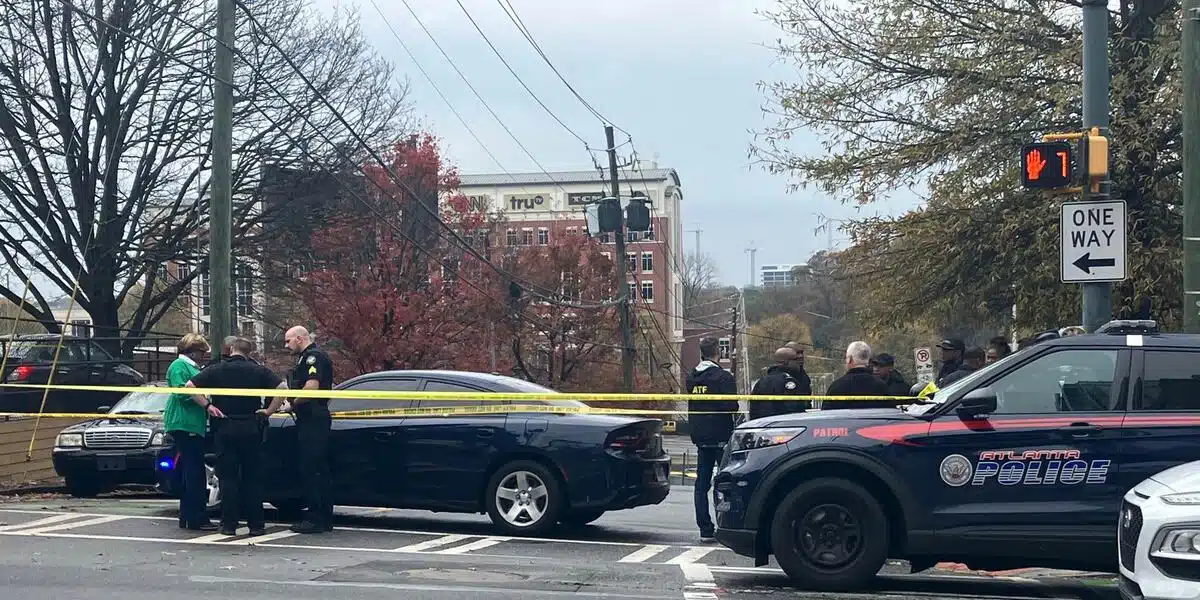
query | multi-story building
(776,276)
(537,206)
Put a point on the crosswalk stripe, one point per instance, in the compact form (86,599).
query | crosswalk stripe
(476,545)
(72,525)
(278,535)
(690,556)
(40,522)
(434,543)
(643,553)
(216,537)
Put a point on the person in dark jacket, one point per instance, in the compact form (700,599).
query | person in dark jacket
(952,357)
(711,424)
(796,368)
(973,360)
(858,381)
(780,380)
(884,367)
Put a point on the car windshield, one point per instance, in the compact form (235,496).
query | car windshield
(526,387)
(141,403)
(964,383)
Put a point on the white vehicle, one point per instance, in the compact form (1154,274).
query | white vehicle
(1158,536)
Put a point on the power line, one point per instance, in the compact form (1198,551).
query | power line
(518,77)
(513,16)
(477,94)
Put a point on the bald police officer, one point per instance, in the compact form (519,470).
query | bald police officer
(313,371)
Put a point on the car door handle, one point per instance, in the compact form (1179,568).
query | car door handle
(485,432)
(1082,430)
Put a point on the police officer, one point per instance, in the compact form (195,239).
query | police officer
(236,429)
(780,380)
(313,371)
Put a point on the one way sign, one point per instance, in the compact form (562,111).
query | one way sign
(1093,241)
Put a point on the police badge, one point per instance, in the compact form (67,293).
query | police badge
(312,360)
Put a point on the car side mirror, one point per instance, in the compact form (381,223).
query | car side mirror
(977,402)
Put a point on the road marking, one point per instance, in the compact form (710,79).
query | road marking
(487,542)
(254,540)
(747,570)
(215,537)
(429,544)
(697,573)
(642,554)
(691,556)
(46,521)
(70,525)
(700,582)
(410,587)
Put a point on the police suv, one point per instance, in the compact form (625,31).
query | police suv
(1022,463)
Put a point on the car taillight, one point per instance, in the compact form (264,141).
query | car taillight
(21,373)
(629,441)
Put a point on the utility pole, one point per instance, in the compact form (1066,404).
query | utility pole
(1189,59)
(733,339)
(622,264)
(1097,297)
(751,251)
(220,216)
(696,249)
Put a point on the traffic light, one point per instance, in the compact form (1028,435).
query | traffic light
(1047,165)
(1093,156)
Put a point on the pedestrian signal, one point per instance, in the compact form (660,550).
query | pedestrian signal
(1047,165)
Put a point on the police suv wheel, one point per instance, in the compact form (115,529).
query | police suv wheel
(524,498)
(830,534)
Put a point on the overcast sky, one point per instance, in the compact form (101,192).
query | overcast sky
(679,75)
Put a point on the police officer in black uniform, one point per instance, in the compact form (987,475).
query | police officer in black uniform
(781,380)
(237,431)
(313,371)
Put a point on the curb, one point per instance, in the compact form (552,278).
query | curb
(1031,573)
(33,489)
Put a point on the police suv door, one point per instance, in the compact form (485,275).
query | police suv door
(1044,465)
(1162,428)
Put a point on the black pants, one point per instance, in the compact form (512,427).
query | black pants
(239,467)
(706,461)
(312,435)
(193,485)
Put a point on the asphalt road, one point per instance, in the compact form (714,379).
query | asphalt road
(132,549)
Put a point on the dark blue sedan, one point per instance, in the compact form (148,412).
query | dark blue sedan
(527,471)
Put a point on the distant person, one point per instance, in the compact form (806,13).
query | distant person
(859,380)
(711,424)
(973,360)
(797,366)
(313,371)
(997,349)
(780,380)
(884,367)
(952,357)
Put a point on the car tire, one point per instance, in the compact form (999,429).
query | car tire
(830,534)
(579,518)
(291,509)
(524,498)
(82,487)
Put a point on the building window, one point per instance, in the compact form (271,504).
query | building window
(723,347)
(648,291)
(633,236)
(161,272)
(647,262)
(632,291)
(511,238)
(526,238)
(543,237)
(631,262)
(606,238)
(182,270)
(243,289)
(205,292)
(206,328)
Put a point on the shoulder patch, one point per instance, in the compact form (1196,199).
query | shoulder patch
(312,370)
(791,385)
(312,359)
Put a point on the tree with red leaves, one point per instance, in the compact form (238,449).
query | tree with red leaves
(390,285)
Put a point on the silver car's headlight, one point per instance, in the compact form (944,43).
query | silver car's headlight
(160,439)
(69,440)
(1180,542)
(1185,498)
(749,439)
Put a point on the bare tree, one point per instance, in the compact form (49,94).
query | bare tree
(698,277)
(105,119)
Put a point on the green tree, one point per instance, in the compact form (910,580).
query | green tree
(942,94)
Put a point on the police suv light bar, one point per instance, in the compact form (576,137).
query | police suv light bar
(1129,326)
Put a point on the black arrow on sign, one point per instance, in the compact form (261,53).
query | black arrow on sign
(1086,262)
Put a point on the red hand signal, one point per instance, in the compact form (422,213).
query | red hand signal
(1034,165)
